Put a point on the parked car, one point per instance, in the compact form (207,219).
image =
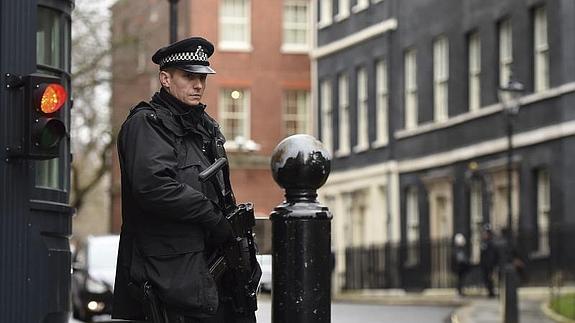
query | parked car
(265,262)
(94,269)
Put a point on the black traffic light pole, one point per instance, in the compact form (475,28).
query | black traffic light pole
(173,20)
(301,234)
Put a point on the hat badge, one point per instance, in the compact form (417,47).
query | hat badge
(200,55)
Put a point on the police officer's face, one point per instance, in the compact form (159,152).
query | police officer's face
(184,86)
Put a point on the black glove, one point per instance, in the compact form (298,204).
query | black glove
(221,233)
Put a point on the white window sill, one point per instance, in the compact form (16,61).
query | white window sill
(484,111)
(294,49)
(380,143)
(323,24)
(357,9)
(341,17)
(360,149)
(376,1)
(342,153)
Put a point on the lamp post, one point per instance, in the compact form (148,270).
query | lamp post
(509,95)
(173,20)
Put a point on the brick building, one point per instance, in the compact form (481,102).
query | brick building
(260,94)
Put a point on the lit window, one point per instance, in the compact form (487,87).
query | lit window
(325,12)
(326,116)
(412,213)
(440,78)
(474,72)
(410,89)
(343,93)
(234,109)
(235,24)
(381,102)
(541,50)
(296,105)
(295,26)
(505,52)
(362,126)
(543,211)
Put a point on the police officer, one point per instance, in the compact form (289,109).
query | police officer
(171,220)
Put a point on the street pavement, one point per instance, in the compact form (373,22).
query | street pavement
(482,310)
(430,306)
(370,312)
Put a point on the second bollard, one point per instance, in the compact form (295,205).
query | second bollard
(301,234)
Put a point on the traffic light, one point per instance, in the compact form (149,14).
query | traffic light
(44,116)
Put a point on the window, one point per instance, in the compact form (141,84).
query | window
(412,229)
(381,102)
(440,78)
(325,12)
(296,107)
(295,26)
(410,89)
(235,25)
(343,10)
(360,5)
(326,116)
(359,213)
(476,219)
(343,92)
(505,52)
(362,126)
(234,109)
(543,211)
(474,71)
(541,50)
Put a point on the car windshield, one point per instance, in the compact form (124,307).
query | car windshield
(102,253)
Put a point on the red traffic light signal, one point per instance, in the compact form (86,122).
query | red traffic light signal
(44,112)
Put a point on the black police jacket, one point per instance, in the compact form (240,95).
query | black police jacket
(166,212)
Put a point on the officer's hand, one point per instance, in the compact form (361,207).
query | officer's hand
(222,233)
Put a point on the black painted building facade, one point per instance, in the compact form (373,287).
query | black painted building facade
(441,168)
(35,215)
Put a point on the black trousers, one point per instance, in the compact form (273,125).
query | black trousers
(487,275)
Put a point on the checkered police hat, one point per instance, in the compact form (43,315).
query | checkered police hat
(190,55)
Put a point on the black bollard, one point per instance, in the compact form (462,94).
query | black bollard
(509,294)
(301,234)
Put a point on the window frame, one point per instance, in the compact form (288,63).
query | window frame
(410,89)
(440,79)
(301,117)
(474,71)
(540,49)
(343,115)
(295,47)
(412,229)
(326,115)
(381,103)
(224,115)
(244,44)
(362,130)
(505,32)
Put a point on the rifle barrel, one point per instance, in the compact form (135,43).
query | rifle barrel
(212,169)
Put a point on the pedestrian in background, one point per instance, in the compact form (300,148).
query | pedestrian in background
(488,259)
(460,261)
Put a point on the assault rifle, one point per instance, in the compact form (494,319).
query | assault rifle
(238,258)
